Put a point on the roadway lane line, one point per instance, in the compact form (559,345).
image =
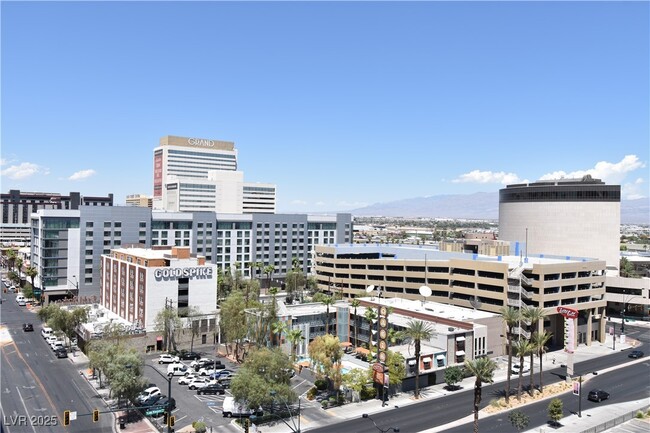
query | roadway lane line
(26,411)
(303,381)
(38,381)
(7,359)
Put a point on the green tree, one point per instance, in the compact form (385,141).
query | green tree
(539,342)
(326,354)
(232,322)
(193,315)
(483,370)
(28,292)
(519,420)
(169,323)
(416,331)
(263,371)
(555,410)
(371,316)
(511,318)
(268,271)
(627,269)
(397,368)
(12,255)
(278,328)
(327,300)
(294,336)
(533,315)
(453,376)
(357,378)
(125,373)
(32,272)
(522,348)
(355,303)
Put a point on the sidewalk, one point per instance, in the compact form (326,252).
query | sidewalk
(588,420)
(142,426)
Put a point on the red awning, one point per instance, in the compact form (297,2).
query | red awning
(346,344)
(159,338)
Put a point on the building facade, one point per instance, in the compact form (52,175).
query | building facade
(576,217)
(137,283)
(473,281)
(66,245)
(139,200)
(198,174)
(17,207)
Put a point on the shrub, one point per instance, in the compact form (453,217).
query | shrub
(640,414)
(367,393)
(495,402)
(199,427)
(324,404)
(321,384)
(311,394)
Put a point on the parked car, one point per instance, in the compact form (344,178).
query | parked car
(197,383)
(198,363)
(238,409)
(165,400)
(515,368)
(635,354)
(50,339)
(166,358)
(221,374)
(185,380)
(61,353)
(56,345)
(189,356)
(176,370)
(225,382)
(28,327)
(151,400)
(597,395)
(148,392)
(46,331)
(211,388)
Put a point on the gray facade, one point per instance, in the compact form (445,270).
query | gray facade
(67,244)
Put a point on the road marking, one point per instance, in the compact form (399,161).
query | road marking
(304,380)
(25,406)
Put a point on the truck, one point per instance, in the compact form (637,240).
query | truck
(232,408)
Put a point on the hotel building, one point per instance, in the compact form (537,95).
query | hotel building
(576,217)
(198,174)
(488,283)
(66,245)
(137,283)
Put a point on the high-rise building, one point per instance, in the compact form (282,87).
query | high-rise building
(197,174)
(66,245)
(18,206)
(139,200)
(568,217)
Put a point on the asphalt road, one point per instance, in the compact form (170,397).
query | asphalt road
(437,412)
(37,387)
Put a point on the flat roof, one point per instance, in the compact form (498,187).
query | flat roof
(434,309)
(144,253)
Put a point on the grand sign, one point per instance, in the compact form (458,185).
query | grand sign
(200,142)
(568,313)
(176,273)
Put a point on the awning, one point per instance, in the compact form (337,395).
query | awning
(460,353)
(411,361)
(346,344)
(304,363)
(440,357)
(427,359)
(461,338)
(159,338)
(362,350)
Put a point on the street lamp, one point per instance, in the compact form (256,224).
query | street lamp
(625,302)
(394,429)
(292,426)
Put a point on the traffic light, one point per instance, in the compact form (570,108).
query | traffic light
(96,415)
(165,418)
(172,421)
(66,417)
(246,424)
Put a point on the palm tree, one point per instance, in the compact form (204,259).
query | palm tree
(522,348)
(510,316)
(294,336)
(416,331)
(539,341)
(533,315)
(11,258)
(355,303)
(370,315)
(327,300)
(268,270)
(32,272)
(278,328)
(483,369)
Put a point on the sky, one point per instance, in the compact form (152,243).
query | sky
(340,104)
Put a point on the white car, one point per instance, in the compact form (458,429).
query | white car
(199,361)
(154,390)
(515,368)
(166,358)
(197,383)
(185,380)
(56,344)
(206,371)
(50,339)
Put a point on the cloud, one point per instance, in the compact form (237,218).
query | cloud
(320,203)
(22,170)
(83,174)
(298,202)
(608,172)
(634,190)
(477,176)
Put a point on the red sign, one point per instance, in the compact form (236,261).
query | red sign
(568,313)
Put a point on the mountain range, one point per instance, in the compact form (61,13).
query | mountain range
(480,205)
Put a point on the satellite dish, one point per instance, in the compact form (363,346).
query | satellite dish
(370,288)
(425,291)
(475,302)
